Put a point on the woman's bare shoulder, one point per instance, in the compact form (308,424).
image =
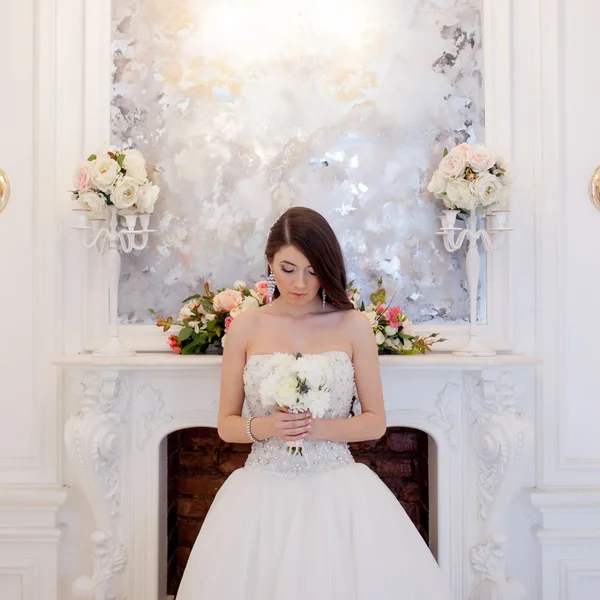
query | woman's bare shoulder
(358,326)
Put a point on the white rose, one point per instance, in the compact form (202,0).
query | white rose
(239,285)
(480,158)
(486,188)
(223,341)
(407,328)
(460,195)
(125,192)
(94,201)
(437,185)
(460,150)
(104,171)
(372,317)
(135,165)
(379,338)
(390,331)
(147,195)
(286,392)
(248,303)
(452,166)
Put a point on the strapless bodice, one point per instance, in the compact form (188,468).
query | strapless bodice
(271,455)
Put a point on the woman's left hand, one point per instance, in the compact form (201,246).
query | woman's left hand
(317,430)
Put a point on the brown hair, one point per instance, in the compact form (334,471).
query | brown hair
(311,234)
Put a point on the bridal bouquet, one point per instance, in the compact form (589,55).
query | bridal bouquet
(204,319)
(298,383)
(115,177)
(393,331)
(469,176)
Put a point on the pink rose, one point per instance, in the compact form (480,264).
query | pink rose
(228,322)
(81,179)
(261,289)
(460,150)
(480,158)
(380,307)
(227,300)
(393,315)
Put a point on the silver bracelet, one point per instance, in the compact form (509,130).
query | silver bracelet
(248,431)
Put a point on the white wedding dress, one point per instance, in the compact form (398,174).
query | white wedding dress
(312,527)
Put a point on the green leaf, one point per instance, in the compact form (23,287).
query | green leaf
(191,298)
(185,333)
(120,158)
(92,157)
(446,152)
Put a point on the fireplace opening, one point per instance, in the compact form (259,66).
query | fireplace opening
(199,462)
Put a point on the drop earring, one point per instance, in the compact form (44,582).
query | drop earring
(324,297)
(271,286)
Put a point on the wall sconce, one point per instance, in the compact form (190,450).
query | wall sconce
(595,188)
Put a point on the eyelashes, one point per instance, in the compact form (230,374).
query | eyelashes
(286,271)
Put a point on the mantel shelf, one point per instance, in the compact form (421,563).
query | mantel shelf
(174,362)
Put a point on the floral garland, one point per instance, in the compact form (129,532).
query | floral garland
(205,318)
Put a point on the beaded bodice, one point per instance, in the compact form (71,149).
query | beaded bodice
(271,455)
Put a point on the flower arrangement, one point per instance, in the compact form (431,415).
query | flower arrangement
(205,318)
(393,331)
(470,176)
(299,384)
(114,177)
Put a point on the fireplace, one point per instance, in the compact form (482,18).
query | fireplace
(199,462)
(132,420)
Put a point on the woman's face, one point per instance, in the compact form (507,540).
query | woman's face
(295,277)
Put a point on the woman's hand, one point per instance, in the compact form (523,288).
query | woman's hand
(289,426)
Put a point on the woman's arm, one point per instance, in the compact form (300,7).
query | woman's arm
(371,424)
(231,425)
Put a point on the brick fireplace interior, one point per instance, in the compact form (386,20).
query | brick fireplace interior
(199,462)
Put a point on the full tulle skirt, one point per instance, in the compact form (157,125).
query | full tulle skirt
(336,535)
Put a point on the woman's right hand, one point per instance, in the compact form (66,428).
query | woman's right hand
(289,426)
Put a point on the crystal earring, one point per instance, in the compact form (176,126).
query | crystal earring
(324,297)
(271,286)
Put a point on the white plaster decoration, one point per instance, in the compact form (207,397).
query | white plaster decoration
(154,417)
(501,435)
(174,392)
(445,420)
(489,559)
(94,439)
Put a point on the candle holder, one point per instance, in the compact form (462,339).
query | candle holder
(492,237)
(103,233)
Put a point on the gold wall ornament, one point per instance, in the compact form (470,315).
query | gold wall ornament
(595,188)
(4,190)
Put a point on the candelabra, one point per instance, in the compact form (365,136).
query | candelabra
(103,233)
(492,237)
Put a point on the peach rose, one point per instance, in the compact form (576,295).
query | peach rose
(227,300)
(261,289)
(480,158)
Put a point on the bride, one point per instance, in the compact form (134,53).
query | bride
(317,526)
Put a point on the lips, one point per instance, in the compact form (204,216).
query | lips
(298,295)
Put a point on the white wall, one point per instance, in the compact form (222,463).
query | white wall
(29,258)
(566,90)
(556,86)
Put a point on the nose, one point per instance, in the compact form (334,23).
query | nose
(300,281)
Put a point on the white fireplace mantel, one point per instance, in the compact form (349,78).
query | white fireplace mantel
(477,413)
